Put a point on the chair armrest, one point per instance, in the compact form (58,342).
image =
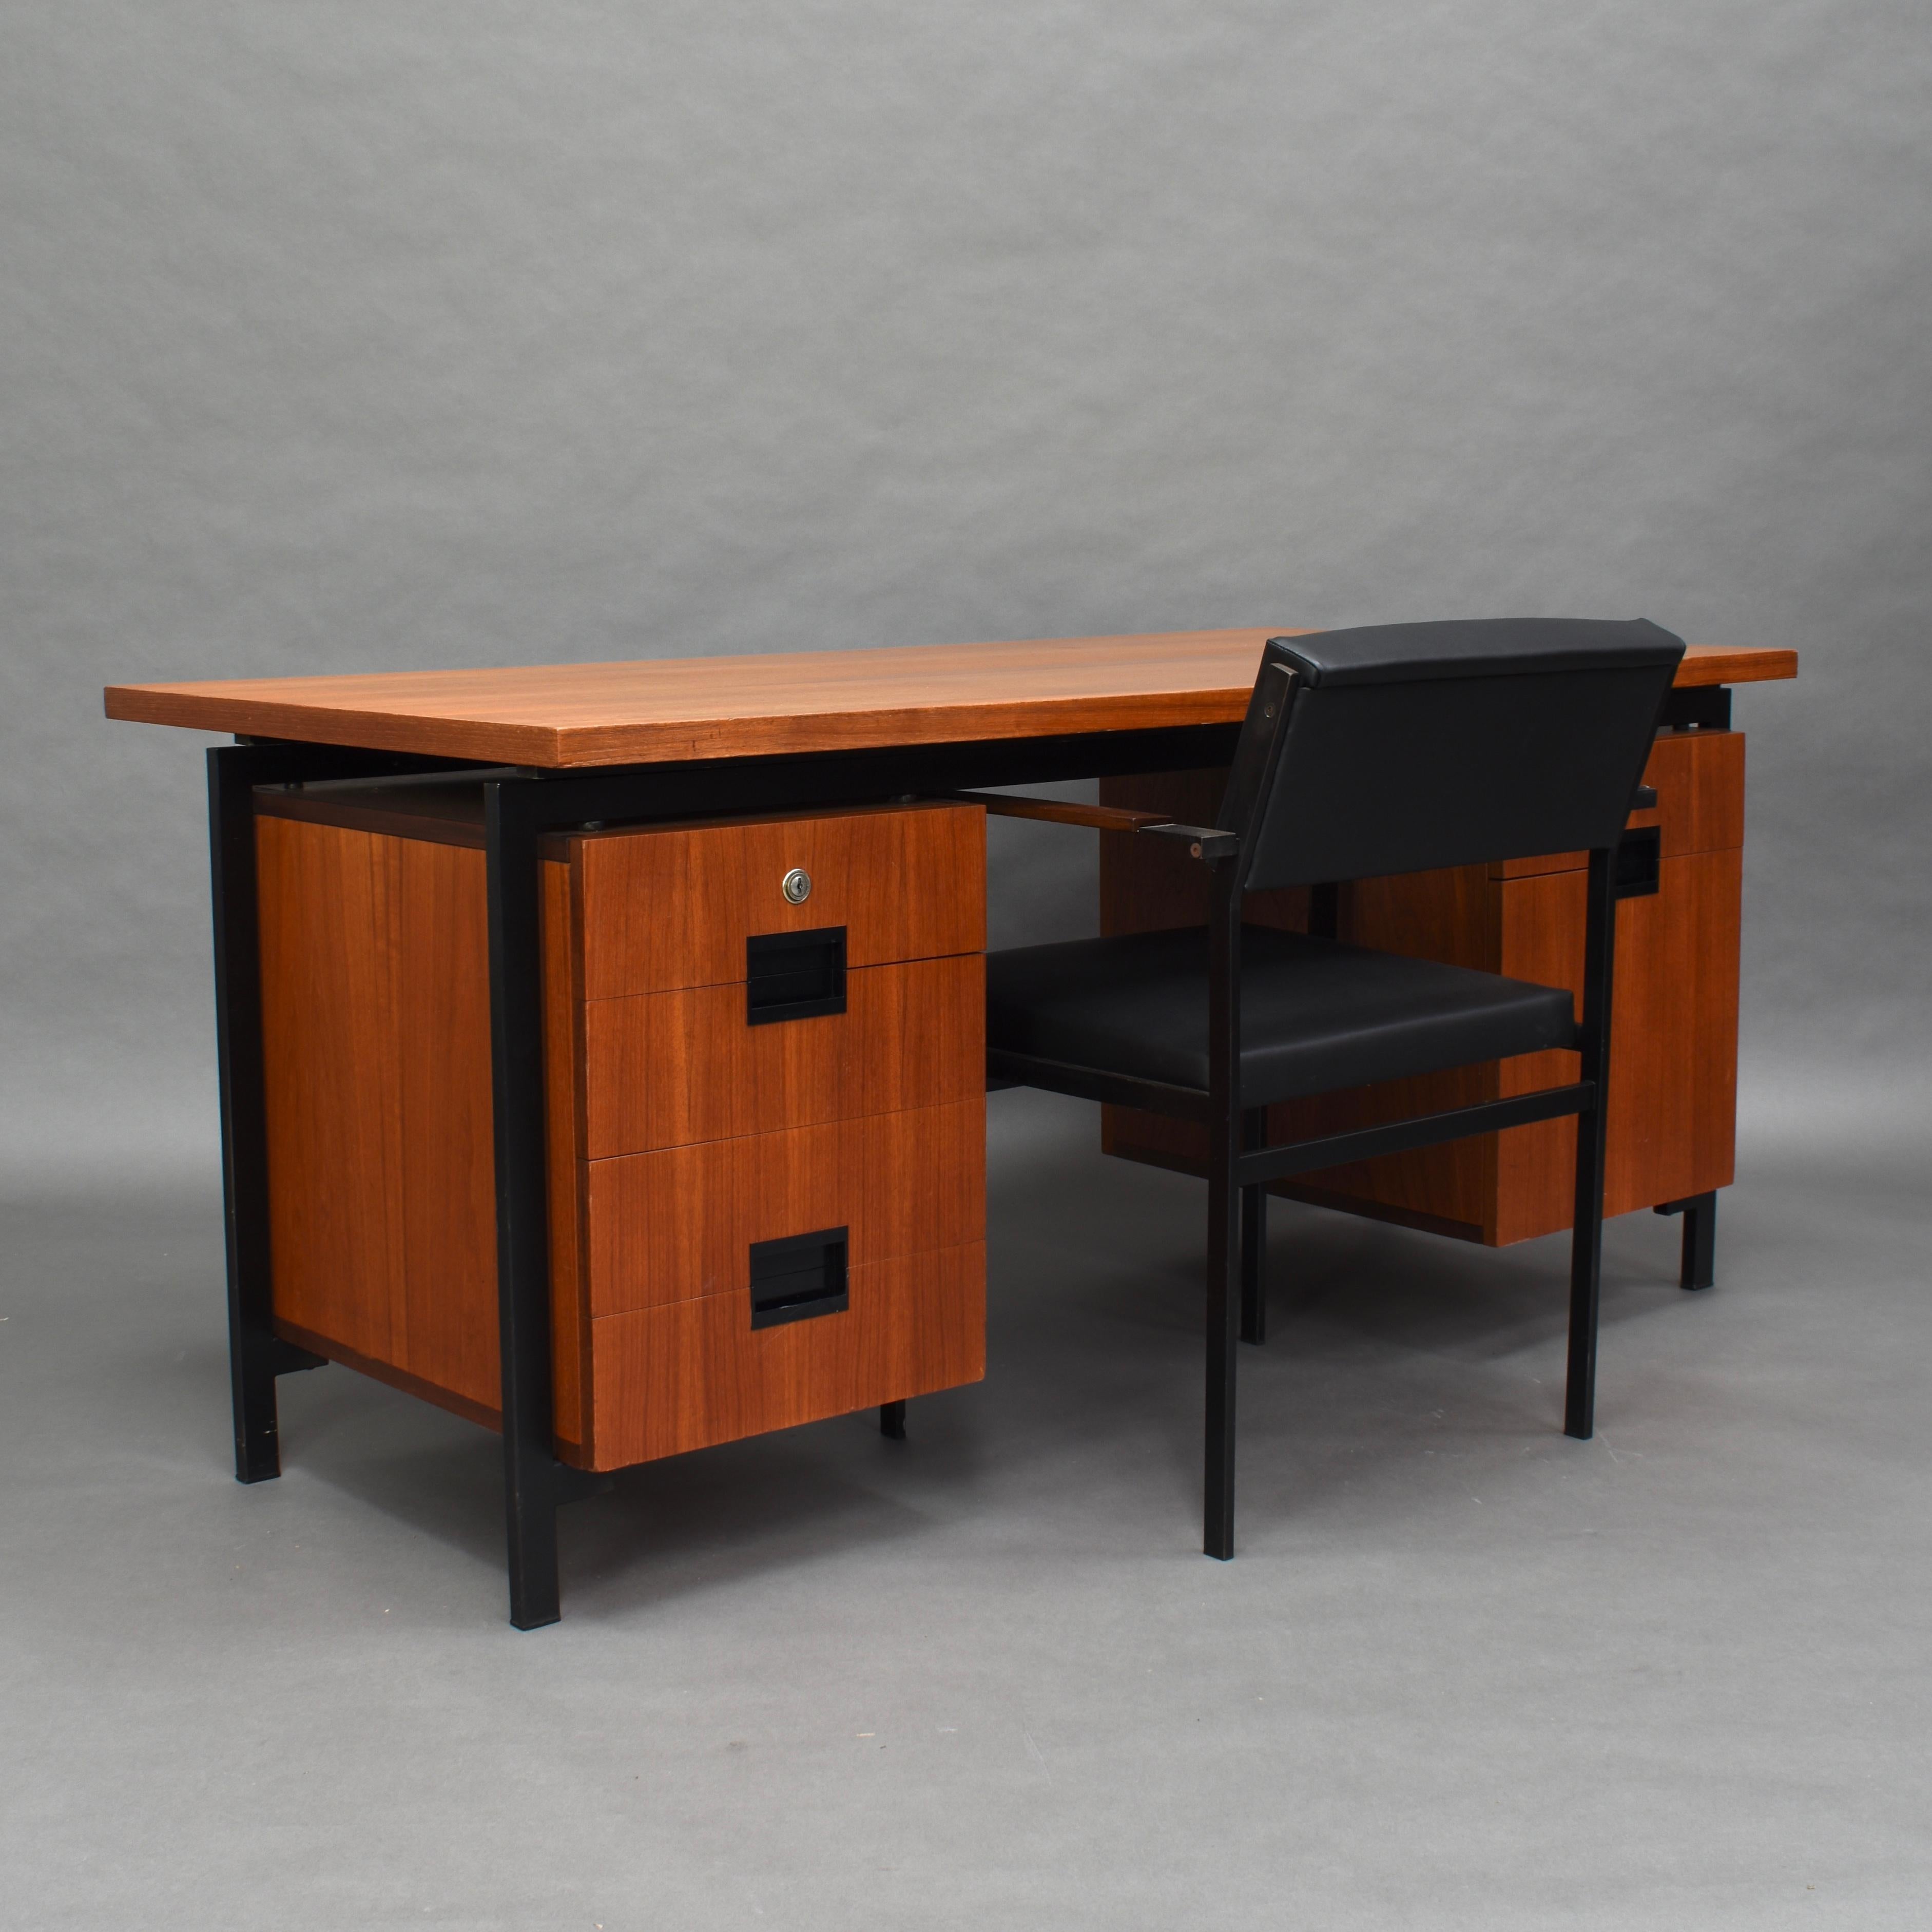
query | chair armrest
(1644,798)
(1062,811)
(1204,842)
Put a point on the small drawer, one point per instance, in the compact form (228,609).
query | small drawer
(691,1373)
(674,907)
(680,1223)
(667,1070)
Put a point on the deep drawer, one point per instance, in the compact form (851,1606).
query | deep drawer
(678,1377)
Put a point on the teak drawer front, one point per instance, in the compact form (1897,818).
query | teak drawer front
(677,1224)
(680,1377)
(664,1069)
(672,907)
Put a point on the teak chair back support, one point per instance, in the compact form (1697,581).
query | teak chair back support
(1401,748)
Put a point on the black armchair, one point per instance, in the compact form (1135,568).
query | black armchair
(1393,749)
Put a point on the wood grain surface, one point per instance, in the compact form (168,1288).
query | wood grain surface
(381,1164)
(673,906)
(690,1373)
(671,708)
(663,1069)
(1673,1042)
(679,1223)
(563,1109)
(376,1037)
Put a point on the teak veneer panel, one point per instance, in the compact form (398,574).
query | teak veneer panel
(667,908)
(1673,1038)
(663,1069)
(376,1036)
(328,1007)
(563,1104)
(691,1373)
(678,1224)
(673,709)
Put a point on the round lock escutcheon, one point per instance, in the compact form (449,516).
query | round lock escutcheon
(796,885)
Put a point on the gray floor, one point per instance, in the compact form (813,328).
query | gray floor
(1464,1673)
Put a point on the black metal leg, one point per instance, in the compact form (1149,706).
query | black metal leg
(1586,1260)
(892,1421)
(255,1355)
(1586,1241)
(1224,1211)
(531,1483)
(245,1170)
(1254,1237)
(1223,1311)
(1698,1267)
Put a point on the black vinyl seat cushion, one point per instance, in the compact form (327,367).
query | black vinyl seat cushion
(1315,1015)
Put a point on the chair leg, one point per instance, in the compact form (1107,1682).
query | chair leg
(1586,1225)
(1224,1305)
(1254,1238)
(1586,1268)
(892,1421)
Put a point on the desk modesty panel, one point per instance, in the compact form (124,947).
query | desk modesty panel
(668,710)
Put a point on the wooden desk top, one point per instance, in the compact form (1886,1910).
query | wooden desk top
(664,710)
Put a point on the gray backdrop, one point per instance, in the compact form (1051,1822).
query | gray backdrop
(396,333)
(400,332)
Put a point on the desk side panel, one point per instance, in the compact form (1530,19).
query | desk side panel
(376,1000)
(1673,1038)
(330,1024)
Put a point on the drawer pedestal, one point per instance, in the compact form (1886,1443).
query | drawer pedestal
(685,1124)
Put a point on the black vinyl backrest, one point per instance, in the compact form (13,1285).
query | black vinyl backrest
(1403,747)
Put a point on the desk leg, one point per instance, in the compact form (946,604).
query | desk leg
(1698,1267)
(256,1355)
(531,1479)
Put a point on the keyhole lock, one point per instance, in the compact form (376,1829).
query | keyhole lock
(796,885)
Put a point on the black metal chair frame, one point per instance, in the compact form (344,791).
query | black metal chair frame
(1241,1161)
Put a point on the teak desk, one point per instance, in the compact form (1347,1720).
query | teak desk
(600,1045)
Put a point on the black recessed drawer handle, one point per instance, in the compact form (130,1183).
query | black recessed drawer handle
(1639,862)
(792,976)
(798,1276)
